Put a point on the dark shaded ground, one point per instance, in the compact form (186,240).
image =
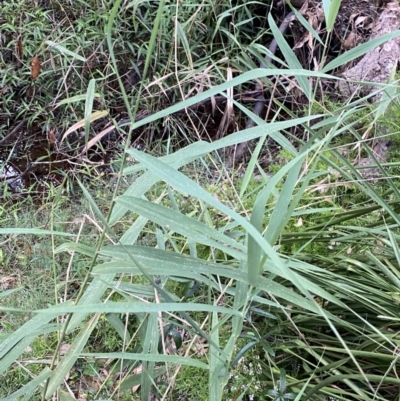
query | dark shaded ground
(31,153)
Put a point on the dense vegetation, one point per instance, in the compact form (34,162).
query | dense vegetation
(155,266)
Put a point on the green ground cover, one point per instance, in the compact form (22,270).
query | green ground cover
(172,276)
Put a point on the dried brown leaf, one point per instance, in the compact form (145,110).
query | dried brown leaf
(35,67)
(51,136)
(80,124)
(97,138)
(350,41)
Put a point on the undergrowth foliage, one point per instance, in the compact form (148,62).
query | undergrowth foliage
(259,293)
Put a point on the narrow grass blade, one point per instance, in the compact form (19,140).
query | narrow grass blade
(75,99)
(33,231)
(251,166)
(70,357)
(388,95)
(183,40)
(331,9)
(93,205)
(89,107)
(153,37)
(149,335)
(359,51)
(178,360)
(217,370)
(63,50)
(132,307)
(290,57)
(6,293)
(76,247)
